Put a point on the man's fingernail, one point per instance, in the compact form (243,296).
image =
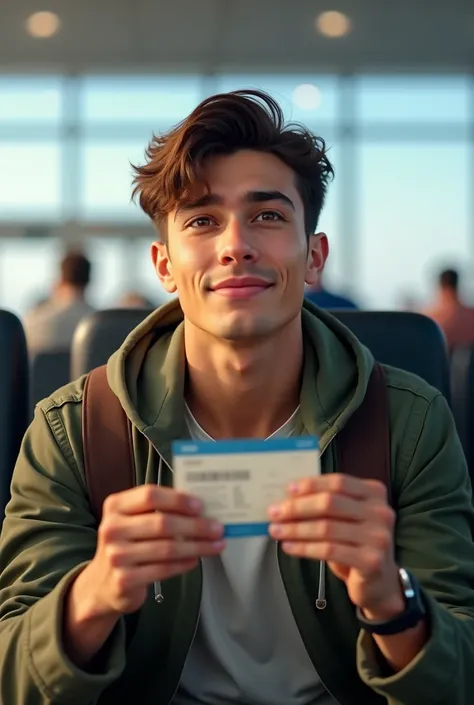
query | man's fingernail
(216,528)
(218,545)
(275,511)
(276,530)
(294,488)
(194,504)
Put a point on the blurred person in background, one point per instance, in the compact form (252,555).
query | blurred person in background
(455,318)
(51,324)
(133,299)
(322,297)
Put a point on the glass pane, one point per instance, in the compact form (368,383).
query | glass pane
(109,270)
(159,100)
(431,99)
(414,209)
(30,180)
(307,98)
(27,271)
(106,180)
(30,99)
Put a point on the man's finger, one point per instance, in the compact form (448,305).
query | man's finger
(367,560)
(147,574)
(353,534)
(324,505)
(161,551)
(340,484)
(158,525)
(151,498)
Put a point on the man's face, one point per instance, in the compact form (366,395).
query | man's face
(238,256)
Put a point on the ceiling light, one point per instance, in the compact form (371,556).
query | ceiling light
(333,24)
(43,25)
(307,97)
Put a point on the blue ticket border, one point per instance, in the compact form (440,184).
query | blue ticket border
(248,445)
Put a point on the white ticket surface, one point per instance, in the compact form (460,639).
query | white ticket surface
(237,480)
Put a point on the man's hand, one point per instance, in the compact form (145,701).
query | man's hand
(148,533)
(347,522)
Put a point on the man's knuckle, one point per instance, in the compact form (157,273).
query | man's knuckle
(327,501)
(338,482)
(108,530)
(374,560)
(326,529)
(114,555)
(160,524)
(149,495)
(327,551)
(122,581)
(386,514)
(168,550)
(110,504)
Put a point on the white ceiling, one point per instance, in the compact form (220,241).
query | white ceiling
(211,35)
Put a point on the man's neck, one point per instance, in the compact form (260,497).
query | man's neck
(448,299)
(66,294)
(243,390)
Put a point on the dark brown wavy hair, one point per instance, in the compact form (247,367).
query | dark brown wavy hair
(224,124)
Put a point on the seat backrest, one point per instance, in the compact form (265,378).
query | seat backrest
(14,398)
(462,390)
(97,336)
(48,371)
(407,340)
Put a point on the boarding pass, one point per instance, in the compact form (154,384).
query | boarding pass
(237,480)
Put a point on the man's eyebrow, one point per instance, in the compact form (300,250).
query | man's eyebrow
(212,199)
(264,196)
(209,199)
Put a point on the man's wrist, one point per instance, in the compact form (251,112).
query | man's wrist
(389,609)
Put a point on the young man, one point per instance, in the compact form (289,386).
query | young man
(236,196)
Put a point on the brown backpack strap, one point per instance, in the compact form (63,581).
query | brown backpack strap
(106,440)
(363,445)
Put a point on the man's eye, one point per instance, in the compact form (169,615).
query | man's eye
(269,216)
(203,221)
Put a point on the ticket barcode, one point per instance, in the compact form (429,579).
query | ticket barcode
(218,476)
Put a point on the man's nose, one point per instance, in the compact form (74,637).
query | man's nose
(236,244)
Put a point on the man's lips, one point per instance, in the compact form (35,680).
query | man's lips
(241,287)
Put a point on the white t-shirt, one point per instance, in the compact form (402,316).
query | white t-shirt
(247,648)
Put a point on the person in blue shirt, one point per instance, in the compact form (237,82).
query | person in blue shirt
(323,298)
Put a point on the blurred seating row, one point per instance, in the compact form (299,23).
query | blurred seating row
(410,341)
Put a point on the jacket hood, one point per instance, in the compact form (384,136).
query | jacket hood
(147,373)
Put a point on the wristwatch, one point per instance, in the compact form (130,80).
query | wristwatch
(415,610)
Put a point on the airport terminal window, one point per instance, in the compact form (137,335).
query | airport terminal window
(110,269)
(158,101)
(106,180)
(414,207)
(296,94)
(413,99)
(27,99)
(30,180)
(27,270)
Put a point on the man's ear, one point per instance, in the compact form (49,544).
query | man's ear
(162,265)
(318,251)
